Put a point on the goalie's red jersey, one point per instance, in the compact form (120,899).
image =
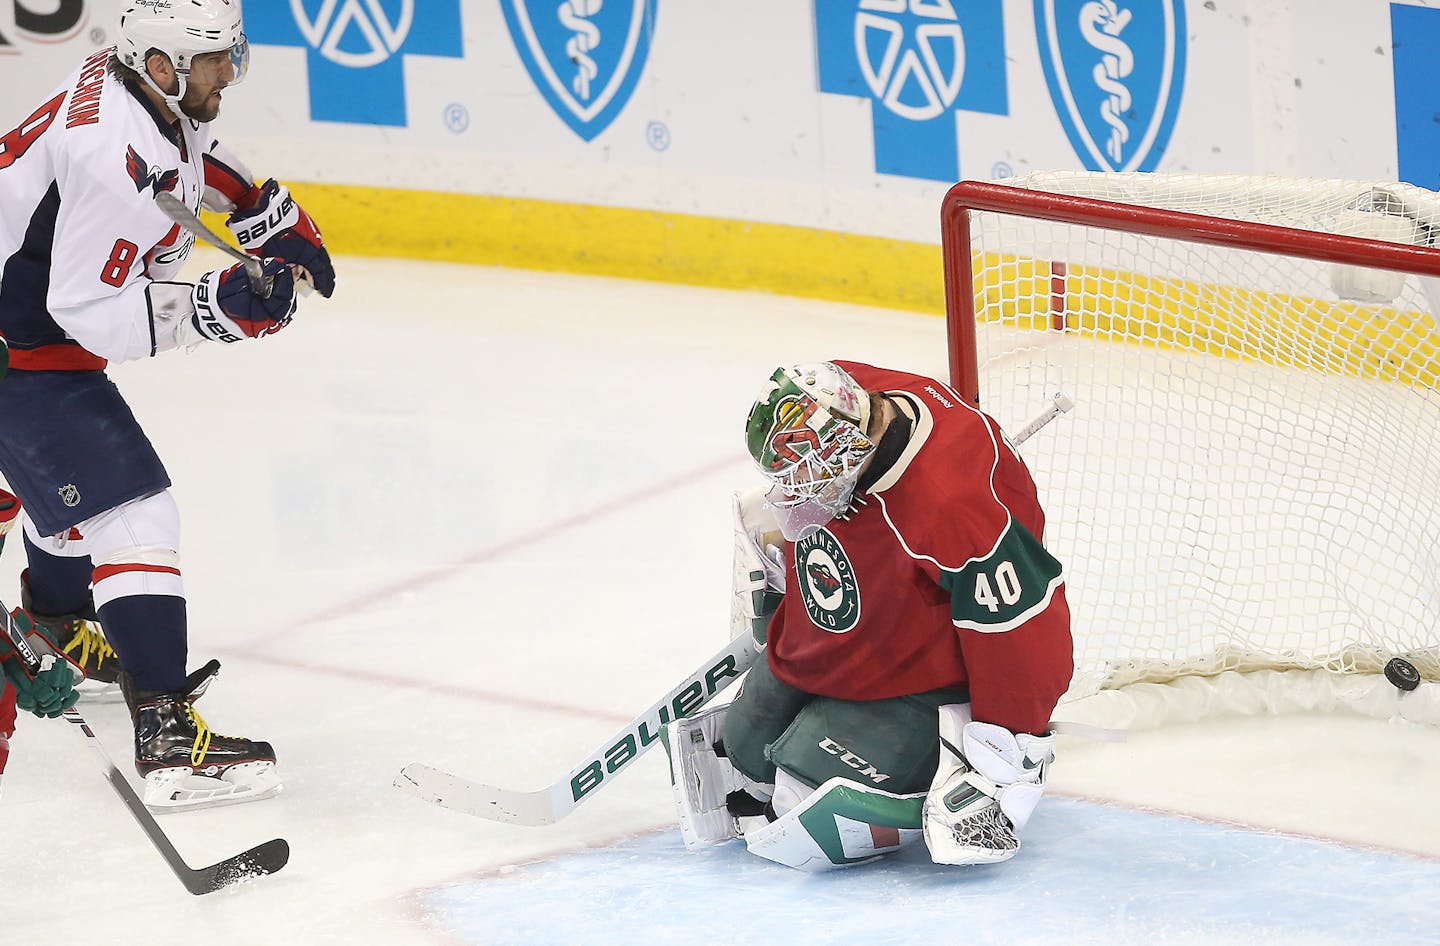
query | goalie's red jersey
(936,578)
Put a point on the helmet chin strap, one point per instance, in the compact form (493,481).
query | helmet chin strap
(171,100)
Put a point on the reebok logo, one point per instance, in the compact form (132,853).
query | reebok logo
(944,401)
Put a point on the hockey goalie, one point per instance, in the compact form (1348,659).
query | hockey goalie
(916,630)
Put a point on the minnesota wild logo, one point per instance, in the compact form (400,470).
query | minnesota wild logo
(828,586)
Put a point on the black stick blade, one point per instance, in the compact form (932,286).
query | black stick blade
(260,860)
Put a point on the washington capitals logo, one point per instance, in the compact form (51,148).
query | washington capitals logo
(151,177)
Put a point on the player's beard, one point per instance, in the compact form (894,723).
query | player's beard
(200,107)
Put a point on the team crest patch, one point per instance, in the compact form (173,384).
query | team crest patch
(827,583)
(151,177)
(1116,72)
(585,57)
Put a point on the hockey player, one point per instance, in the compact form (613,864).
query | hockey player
(919,641)
(87,276)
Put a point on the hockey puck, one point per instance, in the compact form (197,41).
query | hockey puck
(1402,673)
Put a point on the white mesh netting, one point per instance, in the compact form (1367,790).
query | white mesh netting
(1250,479)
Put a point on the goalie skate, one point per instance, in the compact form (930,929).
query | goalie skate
(187,766)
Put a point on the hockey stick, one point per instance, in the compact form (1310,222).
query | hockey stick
(548,805)
(171,206)
(262,859)
(1059,404)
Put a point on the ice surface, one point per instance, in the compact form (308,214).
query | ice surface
(480,518)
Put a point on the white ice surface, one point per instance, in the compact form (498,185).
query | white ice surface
(480,518)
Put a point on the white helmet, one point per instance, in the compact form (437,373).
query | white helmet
(182,30)
(807,433)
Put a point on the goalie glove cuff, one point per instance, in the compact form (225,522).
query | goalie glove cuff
(1016,764)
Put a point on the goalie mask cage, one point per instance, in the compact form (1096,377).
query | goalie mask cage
(1246,496)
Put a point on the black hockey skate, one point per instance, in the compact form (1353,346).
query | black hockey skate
(185,765)
(79,637)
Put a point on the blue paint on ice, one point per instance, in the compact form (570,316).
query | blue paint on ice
(1088,874)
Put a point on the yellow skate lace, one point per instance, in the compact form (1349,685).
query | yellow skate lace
(90,641)
(202,736)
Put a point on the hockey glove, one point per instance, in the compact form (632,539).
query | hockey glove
(277,226)
(227,308)
(45,687)
(986,788)
(758,576)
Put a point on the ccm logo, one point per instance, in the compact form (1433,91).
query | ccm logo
(852,760)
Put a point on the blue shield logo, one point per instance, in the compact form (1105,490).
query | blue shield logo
(1116,71)
(584,56)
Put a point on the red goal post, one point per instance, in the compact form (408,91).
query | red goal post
(1247,493)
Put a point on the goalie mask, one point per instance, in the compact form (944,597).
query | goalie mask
(182,30)
(806,433)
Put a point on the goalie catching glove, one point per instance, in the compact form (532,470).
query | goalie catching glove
(44,679)
(277,226)
(985,790)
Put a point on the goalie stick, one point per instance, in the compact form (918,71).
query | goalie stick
(548,805)
(262,859)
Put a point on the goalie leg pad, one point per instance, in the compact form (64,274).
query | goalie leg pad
(703,779)
(840,824)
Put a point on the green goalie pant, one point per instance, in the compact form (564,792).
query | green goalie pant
(891,744)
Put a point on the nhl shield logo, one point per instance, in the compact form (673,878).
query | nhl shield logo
(585,56)
(1116,72)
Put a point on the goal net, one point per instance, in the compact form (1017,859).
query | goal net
(1246,495)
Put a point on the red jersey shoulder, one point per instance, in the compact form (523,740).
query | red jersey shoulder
(947,508)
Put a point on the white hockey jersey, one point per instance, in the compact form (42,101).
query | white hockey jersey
(86,256)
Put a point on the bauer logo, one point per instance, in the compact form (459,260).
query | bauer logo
(1116,71)
(918,62)
(355,50)
(584,56)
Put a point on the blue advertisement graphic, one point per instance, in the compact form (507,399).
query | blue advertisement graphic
(918,62)
(1415,34)
(355,49)
(584,57)
(1116,75)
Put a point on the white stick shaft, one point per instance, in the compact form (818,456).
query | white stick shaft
(1059,404)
